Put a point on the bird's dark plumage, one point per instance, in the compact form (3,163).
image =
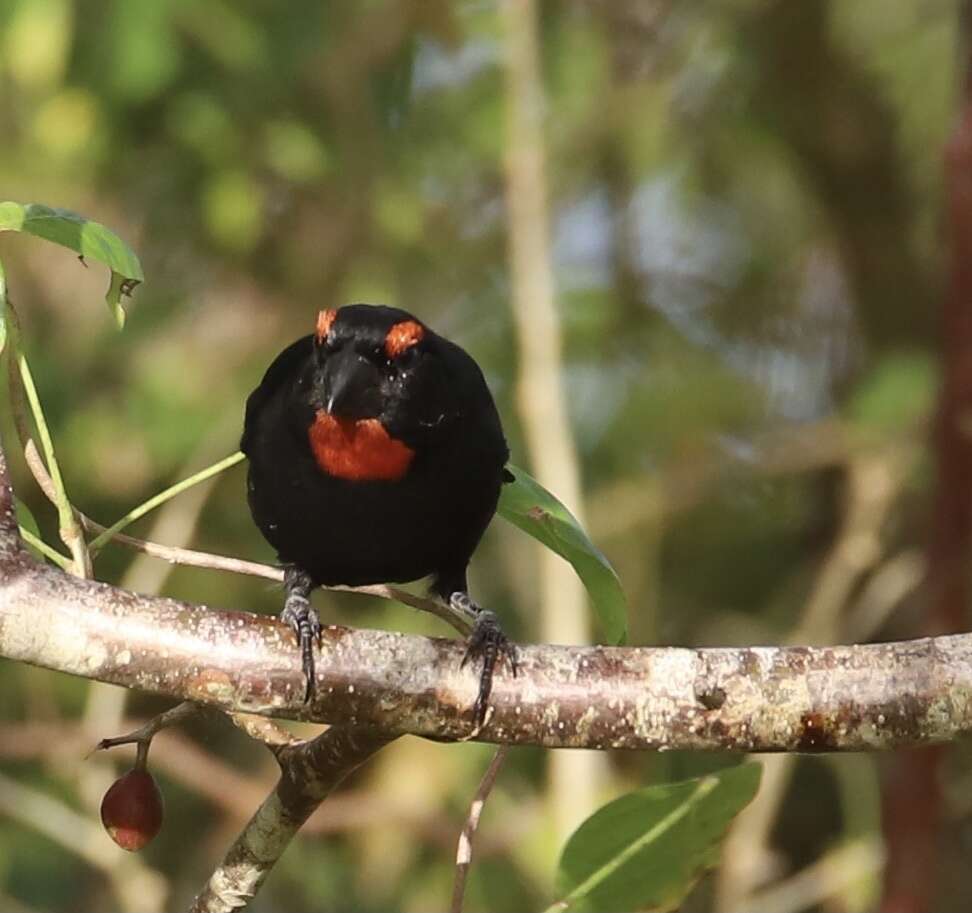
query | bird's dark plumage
(376,455)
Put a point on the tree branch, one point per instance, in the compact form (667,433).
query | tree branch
(749,699)
(746,699)
(309,773)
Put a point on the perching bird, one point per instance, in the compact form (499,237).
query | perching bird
(376,455)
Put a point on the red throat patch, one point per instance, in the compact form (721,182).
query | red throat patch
(403,336)
(357,449)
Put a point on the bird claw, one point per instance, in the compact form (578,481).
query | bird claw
(486,641)
(302,618)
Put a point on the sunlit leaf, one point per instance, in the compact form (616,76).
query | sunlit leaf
(91,240)
(645,850)
(526,504)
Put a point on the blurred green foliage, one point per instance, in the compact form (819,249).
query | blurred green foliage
(745,205)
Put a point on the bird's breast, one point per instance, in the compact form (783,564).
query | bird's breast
(357,449)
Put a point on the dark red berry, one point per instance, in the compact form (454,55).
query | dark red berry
(131,810)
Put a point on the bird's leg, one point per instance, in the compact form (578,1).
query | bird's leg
(486,640)
(302,617)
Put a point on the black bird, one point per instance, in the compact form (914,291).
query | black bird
(376,455)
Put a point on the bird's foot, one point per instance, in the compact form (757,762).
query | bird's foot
(486,641)
(302,618)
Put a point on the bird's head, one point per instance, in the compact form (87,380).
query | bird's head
(373,362)
(377,388)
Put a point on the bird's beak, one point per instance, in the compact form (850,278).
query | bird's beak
(350,385)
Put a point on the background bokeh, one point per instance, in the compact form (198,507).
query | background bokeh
(748,244)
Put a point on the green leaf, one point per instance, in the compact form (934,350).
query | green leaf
(528,505)
(90,240)
(645,850)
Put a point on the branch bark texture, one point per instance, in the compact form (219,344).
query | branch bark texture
(747,699)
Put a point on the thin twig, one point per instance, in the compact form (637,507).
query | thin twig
(464,850)
(214,562)
(191,558)
(261,729)
(18,408)
(22,384)
(184,761)
(142,737)
(167,494)
(169,553)
(62,561)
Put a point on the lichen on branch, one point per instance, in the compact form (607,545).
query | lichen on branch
(860,697)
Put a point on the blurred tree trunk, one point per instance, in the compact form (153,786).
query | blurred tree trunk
(912,800)
(576,779)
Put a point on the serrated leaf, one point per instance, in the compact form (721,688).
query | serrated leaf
(527,504)
(90,240)
(645,850)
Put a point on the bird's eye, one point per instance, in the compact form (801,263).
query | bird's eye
(407,356)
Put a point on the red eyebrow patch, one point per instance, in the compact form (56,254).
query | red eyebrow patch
(403,336)
(324,321)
